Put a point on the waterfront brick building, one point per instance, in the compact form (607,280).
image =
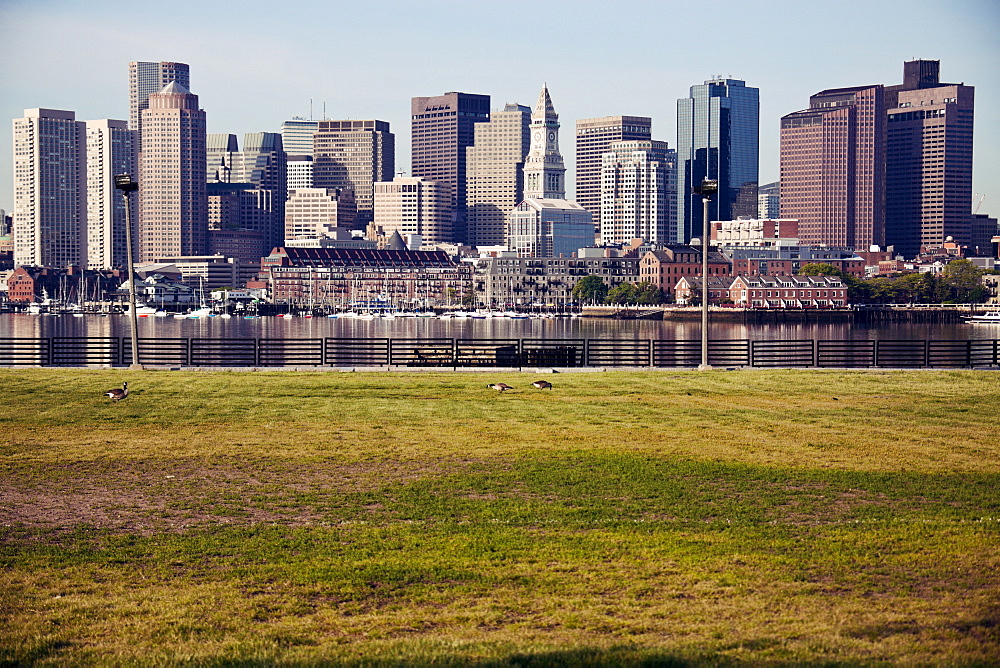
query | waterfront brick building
(788,291)
(664,267)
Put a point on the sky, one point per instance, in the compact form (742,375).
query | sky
(255,64)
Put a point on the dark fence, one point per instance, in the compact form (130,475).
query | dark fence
(442,352)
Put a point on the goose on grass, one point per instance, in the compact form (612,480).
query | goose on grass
(118,394)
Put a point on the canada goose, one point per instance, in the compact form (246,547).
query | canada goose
(542,385)
(116,394)
(500,387)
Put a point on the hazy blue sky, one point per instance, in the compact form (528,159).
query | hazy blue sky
(254,64)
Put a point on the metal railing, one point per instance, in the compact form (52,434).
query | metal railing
(454,353)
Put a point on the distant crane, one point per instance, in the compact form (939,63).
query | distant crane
(979,203)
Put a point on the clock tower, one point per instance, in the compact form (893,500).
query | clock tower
(544,171)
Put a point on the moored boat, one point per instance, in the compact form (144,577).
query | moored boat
(990,317)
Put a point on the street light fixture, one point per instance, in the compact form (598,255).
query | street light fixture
(124,183)
(706,189)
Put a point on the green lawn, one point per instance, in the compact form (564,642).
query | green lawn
(649,518)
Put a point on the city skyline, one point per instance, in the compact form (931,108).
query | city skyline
(630,74)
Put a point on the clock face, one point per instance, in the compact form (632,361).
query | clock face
(538,136)
(552,136)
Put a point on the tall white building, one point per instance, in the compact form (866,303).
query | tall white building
(110,151)
(299,172)
(638,193)
(50,210)
(413,206)
(494,170)
(544,171)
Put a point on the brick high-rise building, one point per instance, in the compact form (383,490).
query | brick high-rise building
(833,168)
(594,137)
(928,185)
(173,204)
(355,155)
(717,137)
(145,79)
(442,127)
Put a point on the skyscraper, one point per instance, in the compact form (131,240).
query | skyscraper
(314,213)
(110,151)
(769,201)
(145,79)
(297,136)
(544,171)
(639,193)
(717,137)
(354,154)
(50,211)
(414,206)
(494,173)
(442,127)
(300,172)
(173,205)
(833,168)
(594,137)
(545,223)
(220,157)
(928,186)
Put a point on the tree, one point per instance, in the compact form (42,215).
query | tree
(962,282)
(590,289)
(647,293)
(623,293)
(820,269)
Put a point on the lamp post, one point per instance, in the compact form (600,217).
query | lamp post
(125,183)
(706,189)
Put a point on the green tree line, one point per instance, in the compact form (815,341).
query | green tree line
(959,283)
(593,290)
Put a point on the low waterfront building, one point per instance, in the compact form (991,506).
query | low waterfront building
(161,292)
(340,277)
(666,265)
(766,291)
(525,281)
(71,285)
(688,290)
(788,291)
(209,272)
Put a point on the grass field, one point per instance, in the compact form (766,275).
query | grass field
(650,518)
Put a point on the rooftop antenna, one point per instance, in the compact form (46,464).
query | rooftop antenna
(324,110)
(310,109)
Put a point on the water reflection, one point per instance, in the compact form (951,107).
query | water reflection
(23,325)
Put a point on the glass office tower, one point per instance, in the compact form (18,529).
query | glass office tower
(717,137)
